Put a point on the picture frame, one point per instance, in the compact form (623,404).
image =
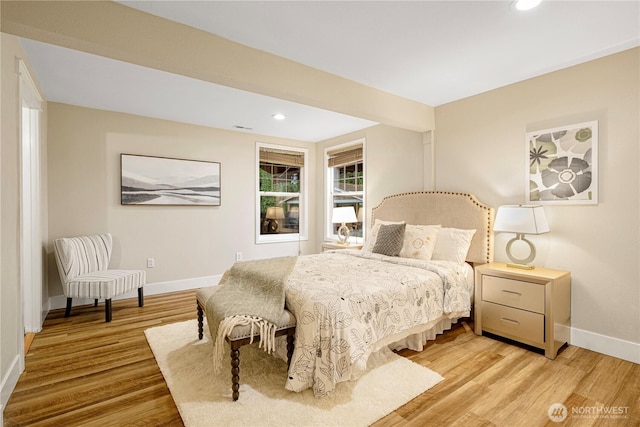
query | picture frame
(150,180)
(562,165)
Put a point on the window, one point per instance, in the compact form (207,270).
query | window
(345,186)
(281,196)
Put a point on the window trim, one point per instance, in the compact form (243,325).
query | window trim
(328,195)
(303,224)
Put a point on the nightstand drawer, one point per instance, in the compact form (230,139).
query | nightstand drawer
(512,323)
(513,293)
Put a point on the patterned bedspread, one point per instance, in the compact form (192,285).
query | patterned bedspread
(345,301)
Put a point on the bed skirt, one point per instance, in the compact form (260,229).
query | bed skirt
(415,338)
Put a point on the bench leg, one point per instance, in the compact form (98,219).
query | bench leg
(290,341)
(200,322)
(235,373)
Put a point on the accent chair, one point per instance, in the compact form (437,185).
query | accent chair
(83,266)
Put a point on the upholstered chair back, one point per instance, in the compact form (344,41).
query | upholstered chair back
(81,255)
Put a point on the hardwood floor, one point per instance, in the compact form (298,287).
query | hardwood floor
(81,371)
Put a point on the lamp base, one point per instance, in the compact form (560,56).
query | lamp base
(343,234)
(521,266)
(524,262)
(272,226)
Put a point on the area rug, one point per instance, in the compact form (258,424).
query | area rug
(204,398)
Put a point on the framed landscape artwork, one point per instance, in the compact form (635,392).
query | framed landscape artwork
(563,165)
(147,180)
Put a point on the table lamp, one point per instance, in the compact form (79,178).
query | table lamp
(343,215)
(274,213)
(521,219)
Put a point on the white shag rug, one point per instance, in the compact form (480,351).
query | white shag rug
(204,398)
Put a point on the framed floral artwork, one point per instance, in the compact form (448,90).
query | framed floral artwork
(563,165)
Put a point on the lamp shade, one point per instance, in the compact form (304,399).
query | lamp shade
(344,214)
(275,212)
(521,219)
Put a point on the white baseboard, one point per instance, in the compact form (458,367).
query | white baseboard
(60,301)
(610,346)
(179,285)
(9,383)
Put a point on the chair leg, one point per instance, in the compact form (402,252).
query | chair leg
(95,302)
(235,373)
(107,310)
(200,322)
(140,297)
(67,311)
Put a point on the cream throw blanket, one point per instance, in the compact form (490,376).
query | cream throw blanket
(250,293)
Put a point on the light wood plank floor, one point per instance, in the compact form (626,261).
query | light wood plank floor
(81,371)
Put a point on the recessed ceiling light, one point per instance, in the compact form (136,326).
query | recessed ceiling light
(279,116)
(527,4)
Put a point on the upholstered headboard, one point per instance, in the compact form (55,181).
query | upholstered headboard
(456,210)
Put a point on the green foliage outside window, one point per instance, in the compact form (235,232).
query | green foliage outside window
(280,179)
(284,179)
(349,178)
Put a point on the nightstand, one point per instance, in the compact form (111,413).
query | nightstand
(529,306)
(335,245)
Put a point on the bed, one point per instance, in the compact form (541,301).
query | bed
(351,304)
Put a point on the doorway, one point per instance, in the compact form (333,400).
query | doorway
(31,259)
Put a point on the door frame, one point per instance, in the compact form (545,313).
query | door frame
(31,257)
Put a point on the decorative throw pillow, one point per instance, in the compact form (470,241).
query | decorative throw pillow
(389,240)
(453,244)
(371,239)
(419,241)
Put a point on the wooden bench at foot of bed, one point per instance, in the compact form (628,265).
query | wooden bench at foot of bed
(241,335)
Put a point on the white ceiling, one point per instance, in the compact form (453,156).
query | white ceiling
(432,52)
(77,78)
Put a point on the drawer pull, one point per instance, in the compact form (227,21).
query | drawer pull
(512,292)
(513,322)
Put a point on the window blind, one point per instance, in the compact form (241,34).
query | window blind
(280,157)
(345,156)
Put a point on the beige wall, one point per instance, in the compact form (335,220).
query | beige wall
(191,242)
(480,148)
(9,269)
(186,241)
(393,164)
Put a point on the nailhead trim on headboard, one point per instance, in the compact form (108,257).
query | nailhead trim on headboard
(488,211)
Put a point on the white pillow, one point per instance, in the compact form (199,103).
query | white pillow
(371,240)
(419,241)
(453,244)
